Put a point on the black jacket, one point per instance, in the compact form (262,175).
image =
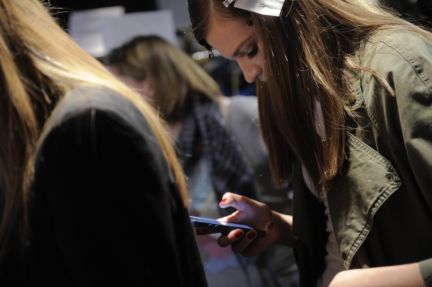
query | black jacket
(104,209)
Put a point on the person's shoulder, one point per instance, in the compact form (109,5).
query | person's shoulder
(102,115)
(244,104)
(399,38)
(245,100)
(101,102)
(392,48)
(396,72)
(98,111)
(92,98)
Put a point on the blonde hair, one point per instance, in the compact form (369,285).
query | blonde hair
(172,72)
(308,54)
(39,64)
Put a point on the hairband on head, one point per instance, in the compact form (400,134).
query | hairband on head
(262,7)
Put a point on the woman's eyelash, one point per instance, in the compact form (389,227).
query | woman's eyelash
(253,51)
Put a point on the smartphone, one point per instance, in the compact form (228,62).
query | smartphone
(204,225)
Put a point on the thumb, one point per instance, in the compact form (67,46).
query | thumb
(243,204)
(230,199)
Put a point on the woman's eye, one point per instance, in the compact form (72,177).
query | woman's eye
(253,51)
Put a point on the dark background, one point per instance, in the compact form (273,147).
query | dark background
(66,6)
(130,5)
(413,10)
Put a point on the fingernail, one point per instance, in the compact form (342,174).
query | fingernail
(238,234)
(223,200)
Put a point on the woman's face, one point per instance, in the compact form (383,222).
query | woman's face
(237,40)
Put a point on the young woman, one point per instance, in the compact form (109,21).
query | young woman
(91,191)
(345,94)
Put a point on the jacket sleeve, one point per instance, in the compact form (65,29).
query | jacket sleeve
(413,87)
(426,271)
(106,190)
(405,63)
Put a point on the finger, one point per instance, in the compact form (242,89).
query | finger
(236,216)
(237,201)
(230,238)
(241,245)
(244,205)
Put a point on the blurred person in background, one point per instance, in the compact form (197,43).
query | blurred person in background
(91,191)
(219,143)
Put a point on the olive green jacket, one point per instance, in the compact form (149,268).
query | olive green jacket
(381,206)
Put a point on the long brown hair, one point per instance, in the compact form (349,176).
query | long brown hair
(172,72)
(308,56)
(39,63)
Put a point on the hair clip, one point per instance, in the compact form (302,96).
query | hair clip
(262,7)
(227,3)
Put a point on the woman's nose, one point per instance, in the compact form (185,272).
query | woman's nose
(250,71)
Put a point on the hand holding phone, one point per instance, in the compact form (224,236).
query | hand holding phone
(204,225)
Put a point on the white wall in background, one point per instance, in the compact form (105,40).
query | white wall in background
(179,9)
(100,30)
(117,31)
(85,27)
